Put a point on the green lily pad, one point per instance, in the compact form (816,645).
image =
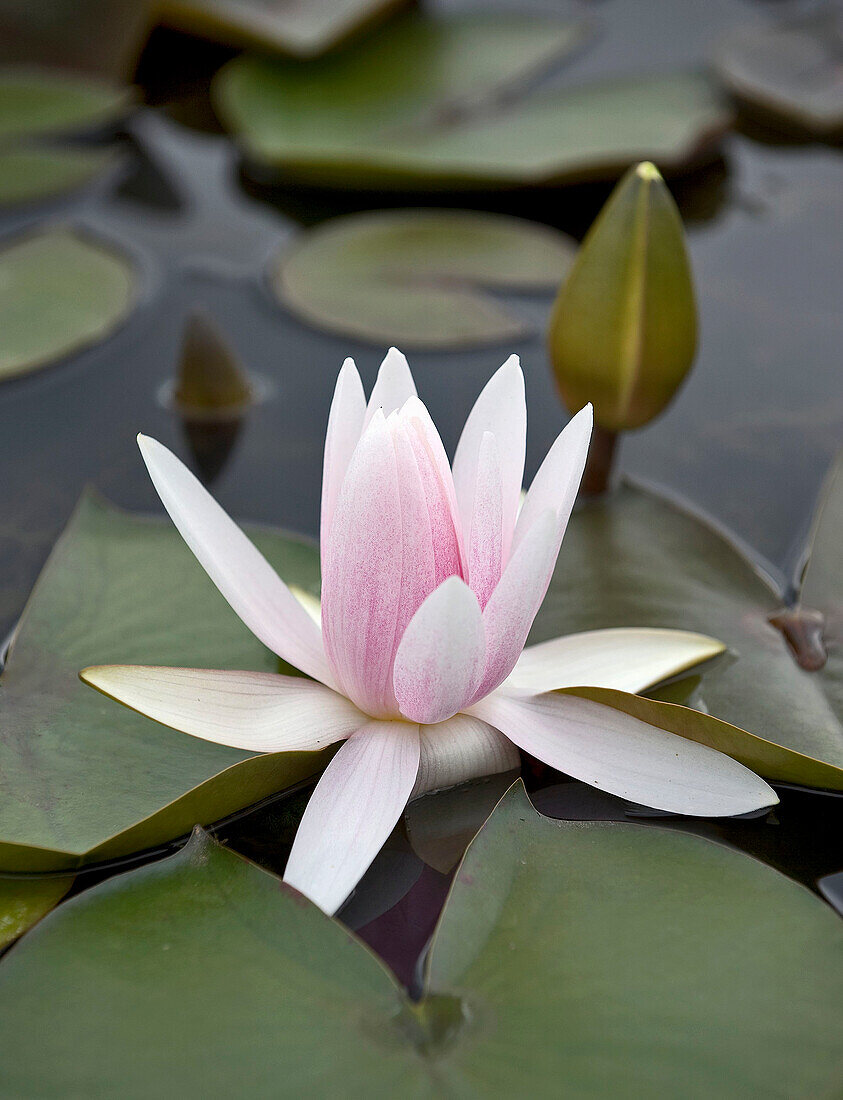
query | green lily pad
(24,901)
(419,278)
(432,103)
(303,29)
(60,290)
(43,103)
(634,558)
(582,959)
(30,174)
(48,102)
(789,71)
(83,780)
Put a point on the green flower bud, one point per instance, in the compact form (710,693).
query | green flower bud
(623,330)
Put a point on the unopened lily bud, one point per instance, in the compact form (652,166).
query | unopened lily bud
(623,330)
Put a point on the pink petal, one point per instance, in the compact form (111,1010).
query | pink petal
(440,494)
(356,805)
(441,655)
(362,574)
(501,410)
(557,482)
(392,543)
(620,754)
(237,568)
(460,749)
(394,385)
(485,549)
(345,426)
(258,711)
(513,605)
(628,658)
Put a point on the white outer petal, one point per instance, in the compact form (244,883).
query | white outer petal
(620,754)
(513,605)
(257,711)
(355,806)
(238,569)
(501,410)
(558,479)
(345,426)
(393,386)
(627,658)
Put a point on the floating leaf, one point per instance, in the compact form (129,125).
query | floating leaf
(789,71)
(430,103)
(588,959)
(24,901)
(83,780)
(624,327)
(30,174)
(49,102)
(37,103)
(632,558)
(419,278)
(306,28)
(60,291)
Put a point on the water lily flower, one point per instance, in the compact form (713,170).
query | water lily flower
(431,579)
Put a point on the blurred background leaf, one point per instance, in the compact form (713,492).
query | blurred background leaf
(419,278)
(440,102)
(303,28)
(62,290)
(789,71)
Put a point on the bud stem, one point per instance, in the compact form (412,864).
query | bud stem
(601,458)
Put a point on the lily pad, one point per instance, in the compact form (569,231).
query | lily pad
(82,780)
(419,278)
(435,103)
(49,102)
(43,103)
(30,174)
(595,959)
(60,291)
(635,558)
(303,29)
(24,901)
(789,71)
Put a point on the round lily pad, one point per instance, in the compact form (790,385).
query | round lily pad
(420,278)
(60,291)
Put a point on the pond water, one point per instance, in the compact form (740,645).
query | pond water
(748,439)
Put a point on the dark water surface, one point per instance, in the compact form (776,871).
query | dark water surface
(748,439)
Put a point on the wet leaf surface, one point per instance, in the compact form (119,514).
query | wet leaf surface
(618,955)
(790,70)
(429,103)
(420,278)
(62,290)
(83,779)
(303,29)
(23,902)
